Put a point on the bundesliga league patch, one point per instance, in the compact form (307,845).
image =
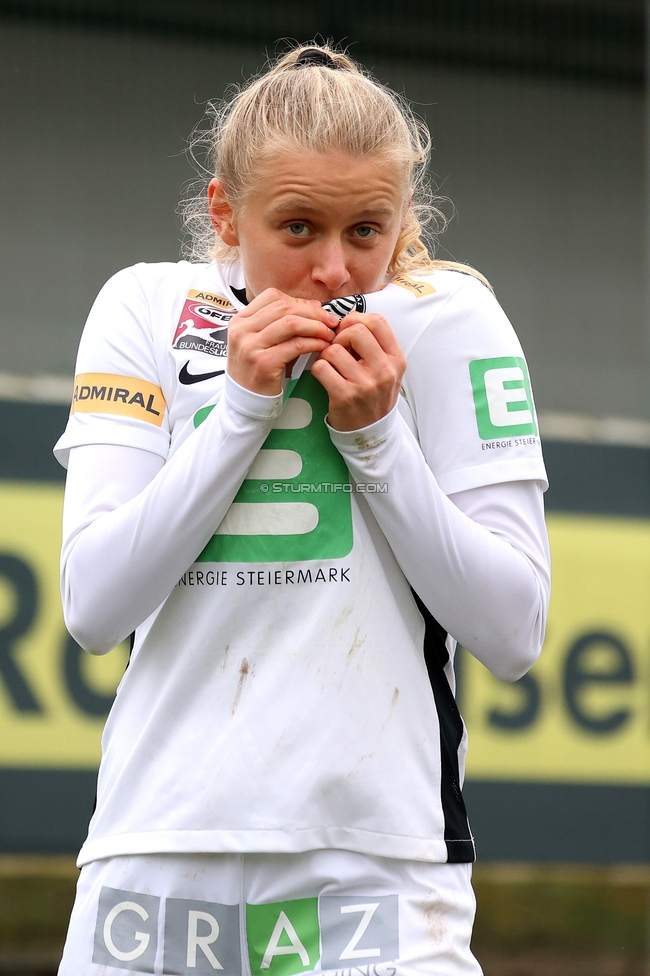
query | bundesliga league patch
(203,324)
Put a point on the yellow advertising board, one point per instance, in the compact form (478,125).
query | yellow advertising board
(53,696)
(581,715)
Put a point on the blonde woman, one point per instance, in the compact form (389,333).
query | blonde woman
(300,468)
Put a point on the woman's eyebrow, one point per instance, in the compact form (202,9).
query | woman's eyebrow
(301,206)
(294,205)
(375,212)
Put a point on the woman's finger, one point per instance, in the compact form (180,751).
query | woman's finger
(363,342)
(377,326)
(344,363)
(271,295)
(264,372)
(272,305)
(330,378)
(289,326)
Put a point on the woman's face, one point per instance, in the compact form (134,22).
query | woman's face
(314,226)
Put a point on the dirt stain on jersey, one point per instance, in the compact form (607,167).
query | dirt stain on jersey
(356,644)
(343,615)
(393,702)
(364,444)
(434,920)
(244,671)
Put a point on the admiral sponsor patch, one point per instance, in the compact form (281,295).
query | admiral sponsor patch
(206,296)
(417,288)
(203,324)
(125,396)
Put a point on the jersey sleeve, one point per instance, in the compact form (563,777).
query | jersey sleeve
(468,388)
(117,396)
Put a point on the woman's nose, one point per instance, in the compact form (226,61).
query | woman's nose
(330,266)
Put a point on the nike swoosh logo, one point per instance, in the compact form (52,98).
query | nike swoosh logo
(188,378)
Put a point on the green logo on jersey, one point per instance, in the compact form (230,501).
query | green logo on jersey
(283,938)
(289,507)
(502,397)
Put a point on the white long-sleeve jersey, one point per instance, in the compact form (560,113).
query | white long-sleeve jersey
(296,592)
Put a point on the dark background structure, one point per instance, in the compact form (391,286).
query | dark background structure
(537,114)
(594,40)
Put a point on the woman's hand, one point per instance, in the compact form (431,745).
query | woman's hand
(361,370)
(271,332)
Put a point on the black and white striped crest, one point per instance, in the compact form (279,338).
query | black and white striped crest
(343,306)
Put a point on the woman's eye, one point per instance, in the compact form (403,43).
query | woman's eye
(365,232)
(298,229)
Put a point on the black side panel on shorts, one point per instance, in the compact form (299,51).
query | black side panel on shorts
(458,836)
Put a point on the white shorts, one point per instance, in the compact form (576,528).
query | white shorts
(325,911)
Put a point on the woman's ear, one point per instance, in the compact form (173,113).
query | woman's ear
(221,213)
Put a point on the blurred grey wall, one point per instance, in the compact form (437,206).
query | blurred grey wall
(547,179)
